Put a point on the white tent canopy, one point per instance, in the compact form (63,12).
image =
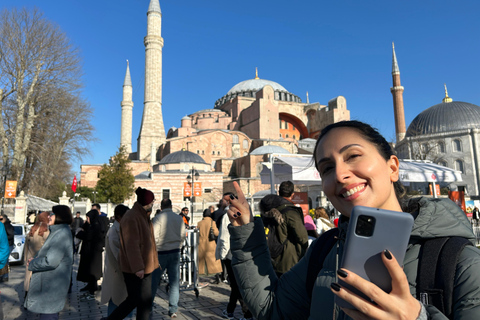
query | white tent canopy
(39,204)
(300,169)
(426,171)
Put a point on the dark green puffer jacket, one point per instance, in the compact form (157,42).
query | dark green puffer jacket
(287,298)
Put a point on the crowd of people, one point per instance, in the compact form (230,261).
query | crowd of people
(283,264)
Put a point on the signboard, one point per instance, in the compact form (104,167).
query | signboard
(437,189)
(10,189)
(187,189)
(197,189)
(459,198)
(300,199)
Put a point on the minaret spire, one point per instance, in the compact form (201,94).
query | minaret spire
(447,99)
(397,92)
(152,130)
(256,74)
(127,107)
(395,69)
(308,101)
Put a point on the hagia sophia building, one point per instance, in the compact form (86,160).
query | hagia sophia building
(226,143)
(254,119)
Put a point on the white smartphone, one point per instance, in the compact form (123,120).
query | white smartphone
(370,232)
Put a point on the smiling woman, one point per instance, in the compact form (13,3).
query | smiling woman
(358,167)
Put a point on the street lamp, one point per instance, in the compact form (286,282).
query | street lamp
(94,196)
(4,177)
(191,176)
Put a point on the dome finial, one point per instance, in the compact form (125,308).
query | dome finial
(256,74)
(308,101)
(183,147)
(447,99)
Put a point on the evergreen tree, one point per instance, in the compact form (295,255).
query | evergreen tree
(115,179)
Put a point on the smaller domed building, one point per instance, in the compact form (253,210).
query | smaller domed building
(448,134)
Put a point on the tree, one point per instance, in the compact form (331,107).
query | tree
(116,181)
(45,120)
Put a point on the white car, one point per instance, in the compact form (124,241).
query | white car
(16,256)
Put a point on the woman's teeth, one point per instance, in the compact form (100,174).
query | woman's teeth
(353,190)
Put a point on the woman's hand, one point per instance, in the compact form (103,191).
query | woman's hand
(28,262)
(239,210)
(398,304)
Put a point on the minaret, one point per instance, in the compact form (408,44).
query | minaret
(152,131)
(397,92)
(127,106)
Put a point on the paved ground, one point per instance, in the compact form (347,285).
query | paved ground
(209,305)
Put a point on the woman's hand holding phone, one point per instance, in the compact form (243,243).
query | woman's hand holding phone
(398,304)
(239,210)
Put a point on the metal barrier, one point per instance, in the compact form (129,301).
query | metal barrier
(476,231)
(189,262)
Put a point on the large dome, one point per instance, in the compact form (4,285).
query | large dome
(249,88)
(445,117)
(268,149)
(255,85)
(182,157)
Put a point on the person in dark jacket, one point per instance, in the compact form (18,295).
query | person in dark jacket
(90,266)
(358,167)
(291,230)
(52,267)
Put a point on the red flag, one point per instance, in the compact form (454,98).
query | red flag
(74,183)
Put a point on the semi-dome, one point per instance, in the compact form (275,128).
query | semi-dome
(182,156)
(268,149)
(445,117)
(249,88)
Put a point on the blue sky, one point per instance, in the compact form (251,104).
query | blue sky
(327,48)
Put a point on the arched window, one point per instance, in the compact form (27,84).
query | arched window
(286,136)
(442,163)
(235,138)
(457,145)
(294,138)
(459,166)
(163,168)
(245,144)
(441,147)
(281,122)
(186,167)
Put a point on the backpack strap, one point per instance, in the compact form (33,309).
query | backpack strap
(320,249)
(436,272)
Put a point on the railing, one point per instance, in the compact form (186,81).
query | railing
(476,231)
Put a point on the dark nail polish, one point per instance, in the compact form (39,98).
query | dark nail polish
(342,273)
(235,216)
(387,254)
(335,286)
(232,196)
(239,213)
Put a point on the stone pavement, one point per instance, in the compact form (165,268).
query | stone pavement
(211,302)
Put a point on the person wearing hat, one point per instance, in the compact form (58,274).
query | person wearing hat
(138,257)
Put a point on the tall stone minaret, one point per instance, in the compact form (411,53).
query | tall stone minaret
(127,106)
(397,92)
(152,131)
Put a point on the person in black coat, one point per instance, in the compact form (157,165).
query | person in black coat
(90,268)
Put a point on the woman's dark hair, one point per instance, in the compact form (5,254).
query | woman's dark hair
(63,215)
(373,136)
(120,210)
(207,213)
